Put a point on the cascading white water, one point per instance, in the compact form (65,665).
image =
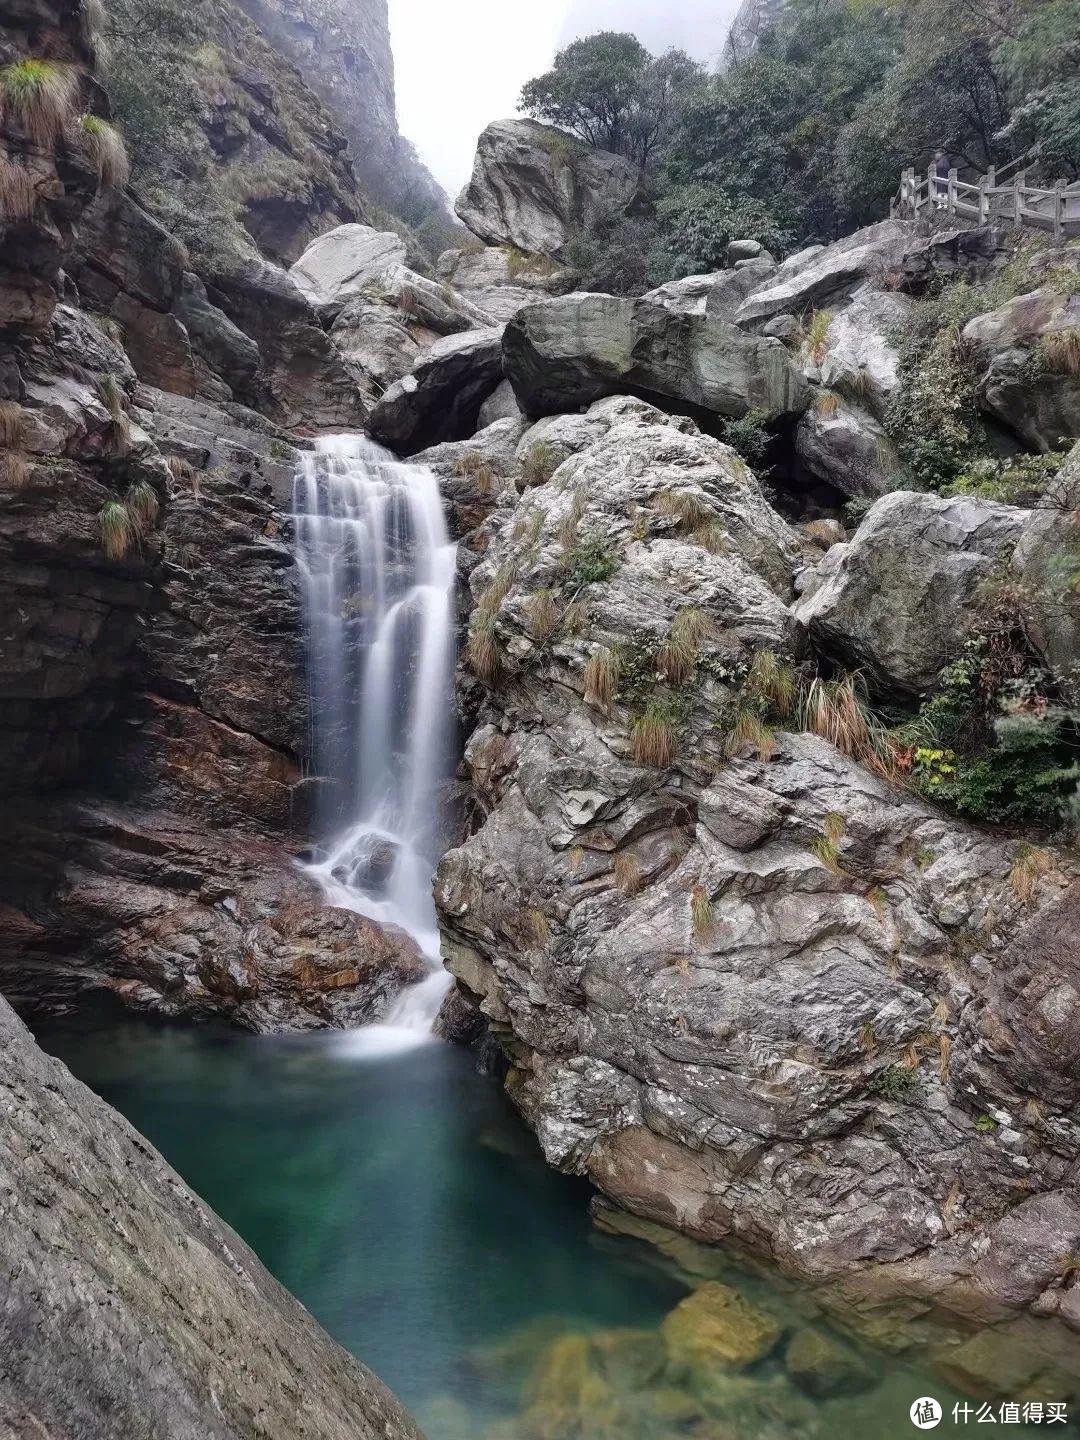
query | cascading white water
(377,570)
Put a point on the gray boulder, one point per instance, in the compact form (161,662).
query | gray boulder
(501,404)
(128,1308)
(398,315)
(896,598)
(821,274)
(745,250)
(440,398)
(338,264)
(1031,384)
(500,280)
(570,351)
(688,295)
(845,446)
(533,185)
(860,357)
(733,286)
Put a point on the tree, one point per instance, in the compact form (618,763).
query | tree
(610,92)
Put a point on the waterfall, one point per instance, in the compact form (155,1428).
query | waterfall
(377,571)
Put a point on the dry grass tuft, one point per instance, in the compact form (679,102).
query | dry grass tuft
(143,506)
(652,737)
(576,856)
(747,730)
(1060,350)
(575,617)
(104,148)
(772,681)
(678,655)
(18,193)
(834,827)
(181,470)
(835,710)
(1028,868)
(40,96)
(482,650)
(12,423)
(543,614)
(14,470)
(568,527)
(910,1058)
(827,852)
(826,403)
(536,926)
(944,1050)
(628,876)
(602,679)
(477,468)
(539,463)
(701,912)
(495,592)
(117,530)
(816,335)
(112,397)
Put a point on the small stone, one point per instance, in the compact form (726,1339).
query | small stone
(743,250)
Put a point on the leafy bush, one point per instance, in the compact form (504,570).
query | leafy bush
(749,436)
(589,562)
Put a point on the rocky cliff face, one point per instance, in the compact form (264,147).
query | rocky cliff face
(343,52)
(154,712)
(129,1308)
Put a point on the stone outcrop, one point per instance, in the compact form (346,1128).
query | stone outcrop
(570,351)
(532,186)
(337,265)
(500,280)
(440,397)
(128,1307)
(860,357)
(816,276)
(845,446)
(896,597)
(1031,384)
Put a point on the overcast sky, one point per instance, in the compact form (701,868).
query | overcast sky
(461,63)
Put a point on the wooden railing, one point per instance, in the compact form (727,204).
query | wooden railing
(987,201)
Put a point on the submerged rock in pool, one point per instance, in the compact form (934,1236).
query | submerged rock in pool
(823,1366)
(715,1327)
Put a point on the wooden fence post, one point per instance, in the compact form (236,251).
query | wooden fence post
(1059,208)
(952,191)
(986,184)
(1018,197)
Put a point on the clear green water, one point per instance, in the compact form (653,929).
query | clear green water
(404,1203)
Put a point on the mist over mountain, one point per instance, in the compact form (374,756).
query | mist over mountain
(699,27)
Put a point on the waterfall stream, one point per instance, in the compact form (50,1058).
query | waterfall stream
(377,571)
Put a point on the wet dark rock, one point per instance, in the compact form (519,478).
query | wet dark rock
(129,1307)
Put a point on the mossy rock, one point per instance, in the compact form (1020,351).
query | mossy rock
(823,1366)
(716,1328)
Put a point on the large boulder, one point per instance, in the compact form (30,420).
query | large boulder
(732,287)
(1032,383)
(570,351)
(845,446)
(860,355)
(689,294)
(440,398)
(128,1307)
(500,279)
(532,186)
(340,263)
(894,600)
(816,276)
(398,315)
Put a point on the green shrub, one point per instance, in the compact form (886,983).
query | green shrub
(589,562)
(894,1084)
(749,436)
